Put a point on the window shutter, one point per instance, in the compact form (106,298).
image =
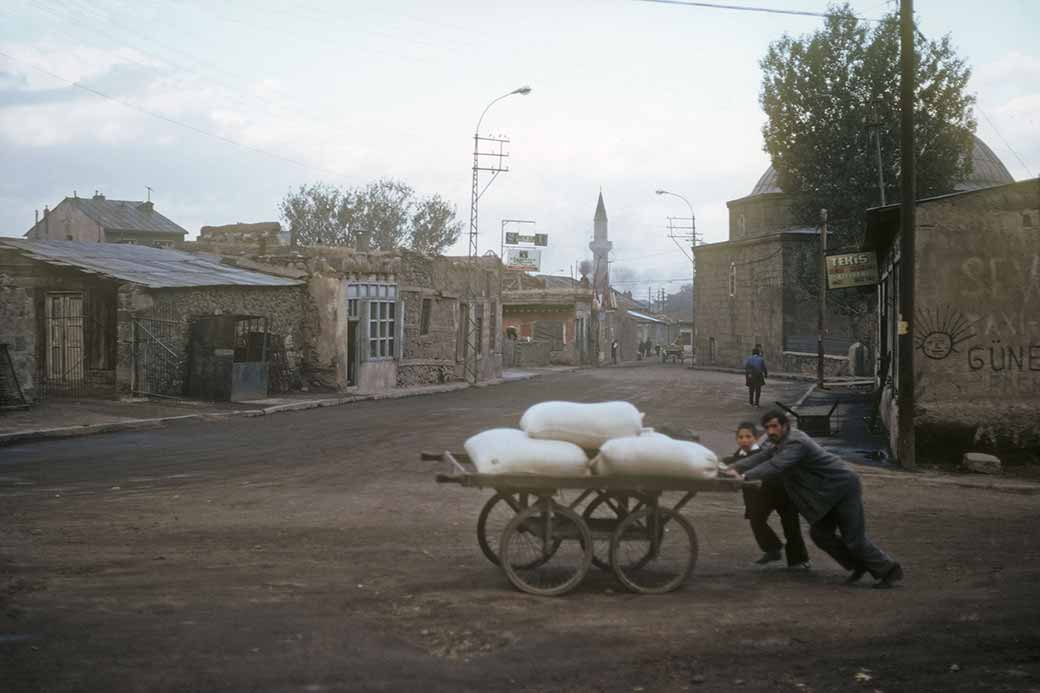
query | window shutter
(362,331)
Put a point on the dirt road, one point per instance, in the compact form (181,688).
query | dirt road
(313,552)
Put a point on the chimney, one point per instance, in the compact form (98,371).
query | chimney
(147,206)
(98,196)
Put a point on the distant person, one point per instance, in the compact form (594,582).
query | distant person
(755,373)
(826,492)
(614,351)
(759,504)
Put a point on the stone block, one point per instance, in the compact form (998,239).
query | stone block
(981,463)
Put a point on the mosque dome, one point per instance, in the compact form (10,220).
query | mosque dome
(987,171)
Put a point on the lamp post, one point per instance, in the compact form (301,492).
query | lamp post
(477,168)
(693,268)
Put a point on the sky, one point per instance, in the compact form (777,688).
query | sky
(222,108)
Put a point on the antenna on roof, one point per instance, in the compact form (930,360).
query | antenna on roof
(149,189)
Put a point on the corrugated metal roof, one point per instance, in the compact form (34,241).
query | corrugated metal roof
(125,215)
(648,318)
(158,268)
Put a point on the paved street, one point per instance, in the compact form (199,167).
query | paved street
(312,551)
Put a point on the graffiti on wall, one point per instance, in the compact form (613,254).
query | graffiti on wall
(939,331)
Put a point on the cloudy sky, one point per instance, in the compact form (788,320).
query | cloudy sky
(264,96)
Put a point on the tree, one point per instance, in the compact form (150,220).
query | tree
(385,214)
(817,93)
(434,227)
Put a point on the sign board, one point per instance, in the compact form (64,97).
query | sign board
(851,269)
(526,259)
(516,238)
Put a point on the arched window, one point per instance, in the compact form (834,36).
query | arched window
(732,279)
(742,225)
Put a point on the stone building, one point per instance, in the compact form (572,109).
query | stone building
(96,319)
(976,323)
(548,319)
(760,285)
(384,319)
(100,220)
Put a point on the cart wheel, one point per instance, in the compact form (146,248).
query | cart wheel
(546,549)
(602,516)
(643,567)
(494,517)
(496,514)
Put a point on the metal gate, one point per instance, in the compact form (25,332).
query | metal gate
(158,363)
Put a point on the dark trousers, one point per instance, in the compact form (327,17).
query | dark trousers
(851,549)
(759,504)
(754,393)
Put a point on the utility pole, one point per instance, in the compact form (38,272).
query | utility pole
(488,155)
(822,307)
(907,445)
(875,125)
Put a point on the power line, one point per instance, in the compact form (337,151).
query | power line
(167,119)
(749,8)
(1006,143)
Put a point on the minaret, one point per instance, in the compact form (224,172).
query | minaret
(600,247)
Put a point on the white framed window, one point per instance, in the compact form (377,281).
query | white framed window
(374,304)
(382,328)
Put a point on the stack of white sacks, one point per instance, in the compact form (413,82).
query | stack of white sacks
(553,437)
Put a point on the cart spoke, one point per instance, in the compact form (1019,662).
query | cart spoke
(653,551)
(550,556)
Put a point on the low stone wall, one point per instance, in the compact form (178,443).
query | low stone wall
(411,373)
(806,364)
(532,354)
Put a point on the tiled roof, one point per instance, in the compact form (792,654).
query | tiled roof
(125,215)
(158,268)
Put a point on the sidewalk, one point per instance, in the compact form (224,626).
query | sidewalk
(854,443)
(70,418)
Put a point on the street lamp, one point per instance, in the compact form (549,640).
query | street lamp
(693,267)
(477,168)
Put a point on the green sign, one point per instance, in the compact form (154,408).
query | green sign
(516,238)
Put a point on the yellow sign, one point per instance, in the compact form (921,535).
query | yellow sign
(851,269)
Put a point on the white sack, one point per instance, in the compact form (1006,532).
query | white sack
(587,425)
(509,451)
(654,454)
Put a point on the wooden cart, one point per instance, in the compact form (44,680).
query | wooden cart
(545,545)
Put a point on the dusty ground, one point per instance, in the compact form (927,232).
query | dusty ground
(312,551)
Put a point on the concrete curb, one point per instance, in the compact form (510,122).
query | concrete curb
(32,435)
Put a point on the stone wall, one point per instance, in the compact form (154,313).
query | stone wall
(289,314)
(759,216)
(775,283)
(18,326)
(977,323)
(447,283)
(24,285)
(728,327)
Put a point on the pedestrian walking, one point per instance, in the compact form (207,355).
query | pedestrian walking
(755,373)
(614,351)
(760,503)
(826,492)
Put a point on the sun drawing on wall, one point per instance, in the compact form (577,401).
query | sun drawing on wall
(938,332)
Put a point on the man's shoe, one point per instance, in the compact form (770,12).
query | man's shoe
(769,557)
(894,574)
(804,566)
(855,576)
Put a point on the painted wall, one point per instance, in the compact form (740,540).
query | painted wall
(977,324)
